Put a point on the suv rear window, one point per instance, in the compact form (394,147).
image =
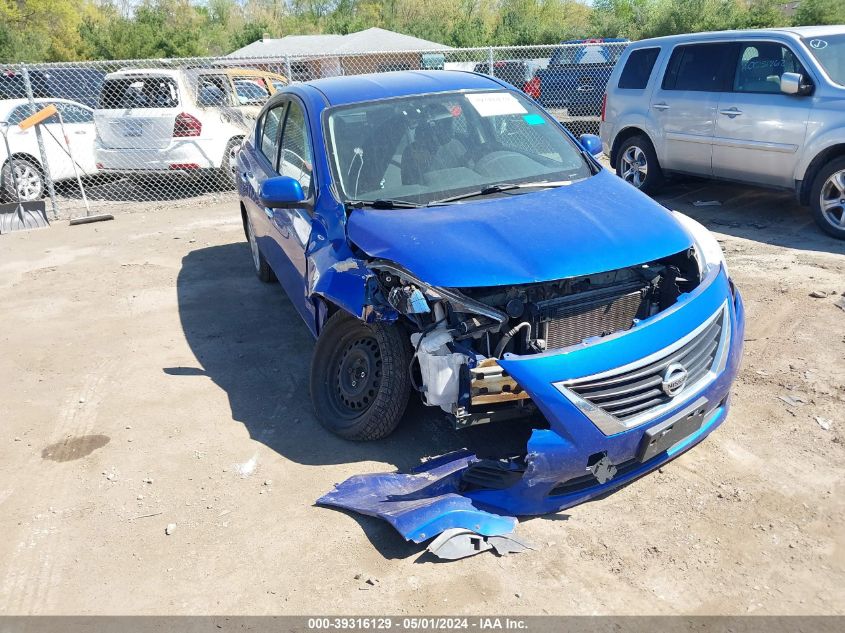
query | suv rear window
(139,92)
(638,69)
(700,67)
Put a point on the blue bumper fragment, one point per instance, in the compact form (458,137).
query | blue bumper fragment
(422,504)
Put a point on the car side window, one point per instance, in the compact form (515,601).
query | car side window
(638,69)
(295,159)
(270,126)
(213,91)
(75,114)
(251,90)
(699,67)
(20,113)
(760,66)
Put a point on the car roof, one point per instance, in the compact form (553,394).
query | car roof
(241,72)
(793,32)
(377,86)
(7,105)
(170,72)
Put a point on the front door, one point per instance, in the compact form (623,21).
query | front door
(683,106)
(285,149)
(293,226)
(759,129)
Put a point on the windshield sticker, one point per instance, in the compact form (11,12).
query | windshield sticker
(495,104)
(818,44)
(533,119)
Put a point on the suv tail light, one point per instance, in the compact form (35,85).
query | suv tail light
(186,125)
(603,105)
(533,87)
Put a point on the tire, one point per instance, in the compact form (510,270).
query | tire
(229,169)
(259,263)
(30,180)
(827,198)
(637,164)
(366,405)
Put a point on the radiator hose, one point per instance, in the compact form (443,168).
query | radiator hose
(507,336)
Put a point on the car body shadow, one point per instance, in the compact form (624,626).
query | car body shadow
(248,338)
(748,212)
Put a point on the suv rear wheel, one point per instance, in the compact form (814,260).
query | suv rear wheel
(637,164)
(827,198)
(360,381)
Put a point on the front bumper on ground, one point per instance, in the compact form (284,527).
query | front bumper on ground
(557,472)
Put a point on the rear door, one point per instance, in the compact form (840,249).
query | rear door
(758,128)
(79,125)
(137,111)
(683,106)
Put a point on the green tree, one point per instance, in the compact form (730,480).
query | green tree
(811,12)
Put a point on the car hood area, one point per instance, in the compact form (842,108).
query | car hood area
(594,225)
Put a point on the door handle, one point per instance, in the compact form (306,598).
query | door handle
(79,132)
(661,106)
(731,112)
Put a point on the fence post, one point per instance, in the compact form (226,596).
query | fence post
(45,166)
(490,61)
(288,71)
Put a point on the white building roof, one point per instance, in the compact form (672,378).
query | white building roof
(373,40)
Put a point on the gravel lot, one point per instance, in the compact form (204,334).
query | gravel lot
(147,379)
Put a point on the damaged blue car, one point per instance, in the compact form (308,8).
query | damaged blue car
(442,235)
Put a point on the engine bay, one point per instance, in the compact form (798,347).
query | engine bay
(458,336)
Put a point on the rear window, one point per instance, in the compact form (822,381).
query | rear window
(638,69)
(700,67)
(139,92)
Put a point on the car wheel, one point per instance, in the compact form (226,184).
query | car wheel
(229,168)
(359,377)
(637,164)
(827,198)
(262,268)
(29,178)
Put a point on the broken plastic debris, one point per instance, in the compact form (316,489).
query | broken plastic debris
(421,504)
(459,543)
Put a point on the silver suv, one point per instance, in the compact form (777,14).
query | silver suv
(766,107)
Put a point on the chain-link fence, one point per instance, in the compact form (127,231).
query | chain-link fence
(166,130)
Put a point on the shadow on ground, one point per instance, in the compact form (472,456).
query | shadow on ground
(752,213)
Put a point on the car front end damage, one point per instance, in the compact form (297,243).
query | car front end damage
(616,372)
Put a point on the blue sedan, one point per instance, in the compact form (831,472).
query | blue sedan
(442,235)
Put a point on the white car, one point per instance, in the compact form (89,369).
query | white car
(172,120)
(79,125)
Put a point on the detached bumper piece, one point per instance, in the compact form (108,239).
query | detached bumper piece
(427,503)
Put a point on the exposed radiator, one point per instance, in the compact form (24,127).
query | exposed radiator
(569,320)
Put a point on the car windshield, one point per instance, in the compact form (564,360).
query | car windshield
(829,51)
(425,149)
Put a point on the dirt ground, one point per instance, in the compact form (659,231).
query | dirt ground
(147,378)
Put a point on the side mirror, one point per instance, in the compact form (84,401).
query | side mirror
(591,143)
(790,83)
(282,192)
(795,84)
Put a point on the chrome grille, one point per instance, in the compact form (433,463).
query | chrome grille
(628,396)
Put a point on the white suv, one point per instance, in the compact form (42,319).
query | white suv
(766,107)
(154,120)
